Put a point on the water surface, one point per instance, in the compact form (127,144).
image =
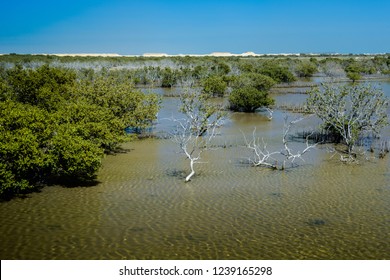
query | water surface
(142,209)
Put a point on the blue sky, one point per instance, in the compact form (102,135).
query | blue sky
(173,27)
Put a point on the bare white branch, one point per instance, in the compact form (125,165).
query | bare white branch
(287,150)
(270,113)
(261,156)
(195,131)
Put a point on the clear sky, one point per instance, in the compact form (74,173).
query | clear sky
(192,27)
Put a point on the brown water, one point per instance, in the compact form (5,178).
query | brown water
(142,209)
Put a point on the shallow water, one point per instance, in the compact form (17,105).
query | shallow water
(142,209)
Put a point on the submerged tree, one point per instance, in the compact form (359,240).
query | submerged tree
(194,132)
(250,92)
(277,72)
(262,156)
(248,99)
(349,111)
(202,114)
(354,70)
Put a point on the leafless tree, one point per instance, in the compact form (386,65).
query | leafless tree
(333,70)
(194,133)
(202,114)
(190,143)
(261,156)
(151,75)
(288,153)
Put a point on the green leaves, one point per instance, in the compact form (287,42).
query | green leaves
(277,72)
(74,157)
(259,81)
(169,77)
(306,69)
(24,133)
(129,106)
(45,87)
(214,86)
(53,126)
(250,92)
(248,99)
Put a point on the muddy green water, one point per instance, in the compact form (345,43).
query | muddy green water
(142,209)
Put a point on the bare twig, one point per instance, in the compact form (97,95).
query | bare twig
(287,150)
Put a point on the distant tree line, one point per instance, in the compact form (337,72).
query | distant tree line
(170,71)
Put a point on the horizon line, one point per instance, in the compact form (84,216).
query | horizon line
(213,54)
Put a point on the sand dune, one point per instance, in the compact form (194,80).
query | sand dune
(88,54)
(214,54)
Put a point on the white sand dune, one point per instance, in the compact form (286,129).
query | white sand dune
(214,54)
(88,54)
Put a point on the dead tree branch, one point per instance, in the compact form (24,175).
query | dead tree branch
(261,156)
(194,133)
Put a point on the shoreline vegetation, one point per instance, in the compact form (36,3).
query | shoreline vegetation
(162,70)
(60,114)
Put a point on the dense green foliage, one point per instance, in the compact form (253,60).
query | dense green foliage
(214,85)
(306,69)
(255,80)
(354,70)
(44,87)
(250,92)
(248,99)
(54,126)
(169,77)
(279,73)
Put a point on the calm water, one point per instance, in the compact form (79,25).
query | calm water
(142,209)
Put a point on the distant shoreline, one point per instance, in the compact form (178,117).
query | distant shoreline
(213,54)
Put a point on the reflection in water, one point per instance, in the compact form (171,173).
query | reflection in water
(142,209)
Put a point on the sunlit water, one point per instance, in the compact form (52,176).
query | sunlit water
(142,209)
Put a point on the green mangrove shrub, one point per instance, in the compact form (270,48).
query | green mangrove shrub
(54,126)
